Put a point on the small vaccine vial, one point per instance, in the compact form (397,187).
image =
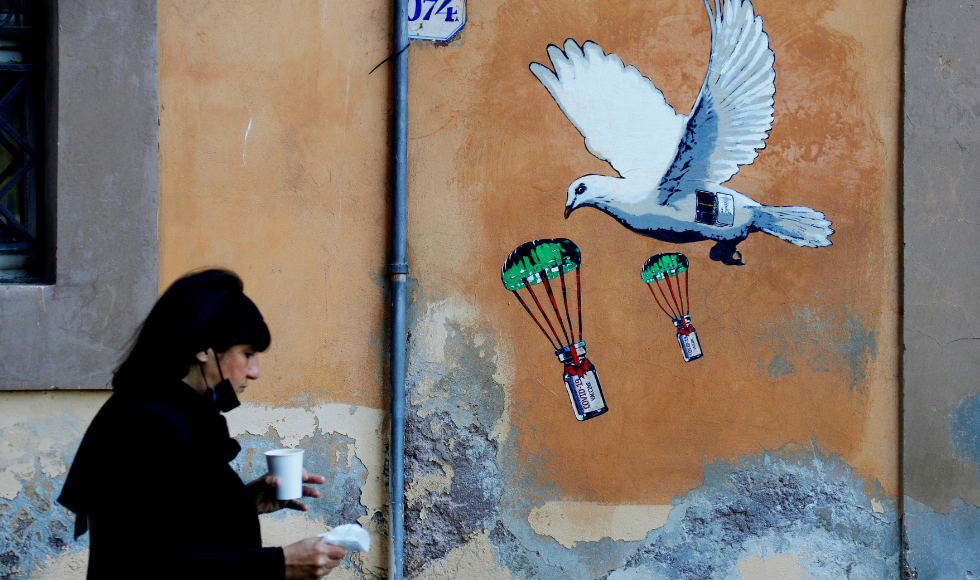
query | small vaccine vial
(687,337)
(581,382)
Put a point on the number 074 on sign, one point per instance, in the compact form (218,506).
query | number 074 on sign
(437,20)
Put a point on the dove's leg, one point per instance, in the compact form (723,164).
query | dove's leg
(726,253)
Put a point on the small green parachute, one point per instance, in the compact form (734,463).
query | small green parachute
(533,259)
(662,266)
(677,298)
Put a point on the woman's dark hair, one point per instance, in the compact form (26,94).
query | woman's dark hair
(202,310)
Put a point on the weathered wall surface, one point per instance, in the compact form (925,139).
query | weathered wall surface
(39,435)
(779,447)
(775,455)
(800,341)
(941,407)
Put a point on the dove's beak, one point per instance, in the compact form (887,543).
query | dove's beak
(568,211)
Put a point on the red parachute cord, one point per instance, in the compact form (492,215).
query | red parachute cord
(535,319)
(666,301)
(680,296)
(671,287)
(578,288)
(650,286)
(564,299)
(687,291)
(551,296)
(546,319)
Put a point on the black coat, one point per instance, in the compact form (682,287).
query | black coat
(151,479)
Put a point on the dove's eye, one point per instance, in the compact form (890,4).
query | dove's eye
(580,189)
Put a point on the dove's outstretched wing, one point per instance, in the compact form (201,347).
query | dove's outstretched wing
(624,118)
(733,113)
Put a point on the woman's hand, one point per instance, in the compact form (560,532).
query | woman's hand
(311,558)
(263,490)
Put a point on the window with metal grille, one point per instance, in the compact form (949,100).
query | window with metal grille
(22,66)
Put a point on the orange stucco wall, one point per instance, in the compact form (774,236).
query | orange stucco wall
(801,343)
(298,208)
(492,155)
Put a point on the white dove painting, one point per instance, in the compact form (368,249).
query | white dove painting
(671,167)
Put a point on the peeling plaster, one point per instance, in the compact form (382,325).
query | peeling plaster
(69,566)
(877,507)
(345,443)
(32,429)
(39,435)
(570,522)
(776,567)
(291,425)
(286,526)
(791,501)
(425,486)
(473,560)
(453,406)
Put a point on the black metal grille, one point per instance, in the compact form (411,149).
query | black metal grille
(21,78)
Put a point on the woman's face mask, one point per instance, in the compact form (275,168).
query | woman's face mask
(223,395)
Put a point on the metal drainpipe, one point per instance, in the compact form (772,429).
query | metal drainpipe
(398,270)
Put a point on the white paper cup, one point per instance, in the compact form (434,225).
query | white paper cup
(287,465)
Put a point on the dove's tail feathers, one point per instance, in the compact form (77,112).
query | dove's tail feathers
(801,226)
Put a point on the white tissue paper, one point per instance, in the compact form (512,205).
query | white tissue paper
(349,537)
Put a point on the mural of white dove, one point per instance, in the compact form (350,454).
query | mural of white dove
(671,167)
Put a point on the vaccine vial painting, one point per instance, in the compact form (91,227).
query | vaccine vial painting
(539,263)
(664,271)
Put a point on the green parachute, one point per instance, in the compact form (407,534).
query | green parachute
(661,266)
(667,268)
(540,261)
(531,260)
